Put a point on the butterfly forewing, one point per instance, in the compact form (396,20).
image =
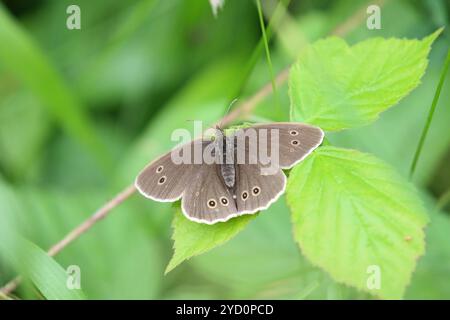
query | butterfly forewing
(295,140)
(163,180)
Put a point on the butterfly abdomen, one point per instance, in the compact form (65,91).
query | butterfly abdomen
(227,168)
(228,173)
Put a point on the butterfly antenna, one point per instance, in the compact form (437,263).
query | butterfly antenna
(192,120)
(219,125)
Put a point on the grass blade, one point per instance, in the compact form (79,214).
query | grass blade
(48,276)
(430,115)
(279,12)
(266,47)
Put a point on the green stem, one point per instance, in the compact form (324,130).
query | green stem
(443,200)
(430,115)
(266,46)
(276,17)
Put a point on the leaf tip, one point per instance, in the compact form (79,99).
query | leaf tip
(432,37)
(173,263)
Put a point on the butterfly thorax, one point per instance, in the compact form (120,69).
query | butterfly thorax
(227,166)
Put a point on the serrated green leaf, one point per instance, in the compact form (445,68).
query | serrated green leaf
(192,238)
(350,211)
(336,86)
(47,275)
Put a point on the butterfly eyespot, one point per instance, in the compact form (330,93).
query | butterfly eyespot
(244,195)
(294,142)
(162,180)
(256,191)
(293,132)
(159,169)
(224,201)
(212,203)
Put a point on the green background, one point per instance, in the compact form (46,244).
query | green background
(82,111)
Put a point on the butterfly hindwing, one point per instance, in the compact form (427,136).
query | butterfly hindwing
(207,199)
(255,190)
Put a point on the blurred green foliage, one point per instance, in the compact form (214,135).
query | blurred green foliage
(82,111)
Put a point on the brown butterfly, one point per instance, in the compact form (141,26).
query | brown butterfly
(237,184)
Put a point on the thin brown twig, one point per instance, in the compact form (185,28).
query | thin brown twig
(78,231)
(242,111)
(11,286)
(87,224)
(4,296)
(246,107)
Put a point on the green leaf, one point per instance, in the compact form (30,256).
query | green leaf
(409,115)
(336,86)
(192,238)
(27,258)
(48,276)
(350,211)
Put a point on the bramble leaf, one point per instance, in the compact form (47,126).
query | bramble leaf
(192,238)
(336,86)
(47,274)
(351,211)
